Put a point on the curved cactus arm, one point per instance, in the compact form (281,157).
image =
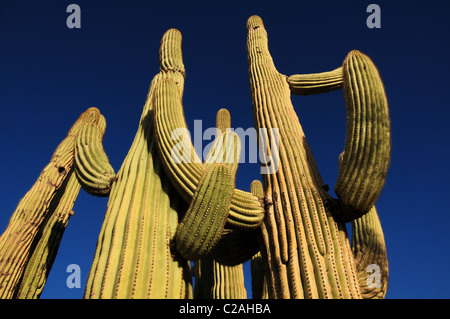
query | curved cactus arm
(203,223)
(369,248)
(366,158)
(92,166)
(183,167)
(47,241)
(38,204)
(316,83)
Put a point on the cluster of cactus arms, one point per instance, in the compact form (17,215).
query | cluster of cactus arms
(171,217)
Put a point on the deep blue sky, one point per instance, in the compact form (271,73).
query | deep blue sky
(50,74)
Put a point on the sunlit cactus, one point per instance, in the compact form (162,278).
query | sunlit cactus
(136,255)
(168,209)
(306,247)
(30,242)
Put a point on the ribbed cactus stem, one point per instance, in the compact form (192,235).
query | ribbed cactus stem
(257,264)
(92,165)
(37,206)
(47,241)
(307,252)
(135,255)
(367,149)
(217,281)
(305,84)
(369,248)
(204,221)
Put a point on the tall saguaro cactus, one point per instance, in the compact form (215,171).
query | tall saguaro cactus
(136,256)
(306,244)
(167,208)
(29,244)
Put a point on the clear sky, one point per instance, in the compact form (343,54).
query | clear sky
(50,74)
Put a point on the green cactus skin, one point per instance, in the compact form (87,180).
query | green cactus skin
(307,251)
(367,149)
(203,223)
(135,255)
(220,274)
(369,248)
(47,241)
(45,207)
(217,281)
(257,264)
(92,166)
(306,84)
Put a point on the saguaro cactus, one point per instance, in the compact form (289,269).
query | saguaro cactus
(136,256)
(306,244)
(30,242)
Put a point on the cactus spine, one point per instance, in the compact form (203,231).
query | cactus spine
(306,247)
(29,244)
(135,256)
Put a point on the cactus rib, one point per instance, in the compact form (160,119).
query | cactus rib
(48,240)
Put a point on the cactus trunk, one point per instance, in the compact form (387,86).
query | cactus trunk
(135,256)
(307,250)
(40,218)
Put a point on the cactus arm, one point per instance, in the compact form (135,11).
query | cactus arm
(92,166)
(135,255)
(186,170)
(48,240)
(39,203)
(369,248)
(205,219)
(367,149)
(306,251)
(220,274)
(316,83)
